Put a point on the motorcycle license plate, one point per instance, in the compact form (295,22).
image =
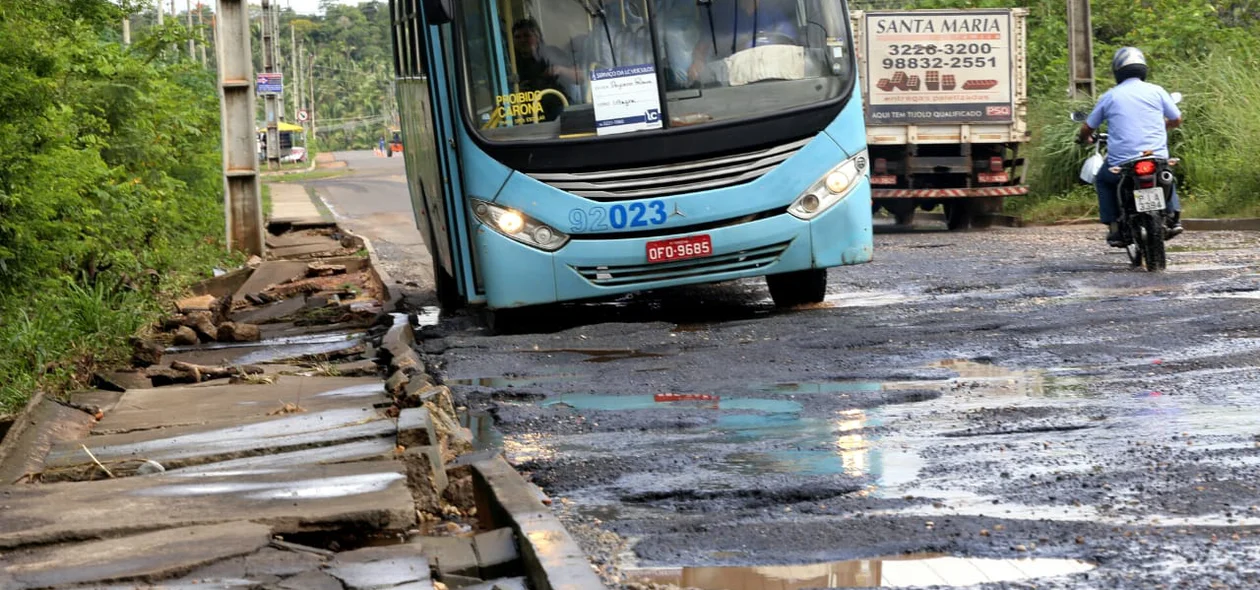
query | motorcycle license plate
(679,249)
(1149,199)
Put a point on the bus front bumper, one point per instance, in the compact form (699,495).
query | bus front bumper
(517,275)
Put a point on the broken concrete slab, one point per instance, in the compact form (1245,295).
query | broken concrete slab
(500,584)
(396,382)
(270,274)
(454,556)
(121,380)
(224,285)
(399,338)
(271,312)
(181,406)
(369,495)
(553,560)
(270,350)
(186,446)
(149,555)
(104,401)
(379,567)
(415,428)
(364,450)
(314,580)
(41,426)
(426,476)
(361,368)
(238,332)
(496,553)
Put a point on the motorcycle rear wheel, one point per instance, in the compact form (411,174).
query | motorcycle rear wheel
(1153,243)
(1135,241)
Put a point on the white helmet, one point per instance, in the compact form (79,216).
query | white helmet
(1128,63)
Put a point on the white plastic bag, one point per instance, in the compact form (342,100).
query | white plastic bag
(1091,167)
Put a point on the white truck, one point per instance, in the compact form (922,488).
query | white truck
(946,110)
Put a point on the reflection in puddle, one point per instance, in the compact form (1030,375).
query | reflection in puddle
(997,380)
(584,401)
(889,572)
(428,316)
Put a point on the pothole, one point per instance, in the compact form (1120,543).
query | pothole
(910,571)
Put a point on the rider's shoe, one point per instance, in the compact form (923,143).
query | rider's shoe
(1114,237)
(1174,226)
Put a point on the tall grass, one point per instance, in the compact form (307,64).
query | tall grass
(1219,143)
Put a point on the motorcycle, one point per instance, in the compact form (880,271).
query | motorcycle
(1146,186)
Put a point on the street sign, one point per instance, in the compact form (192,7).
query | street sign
(269,83)
(303,116)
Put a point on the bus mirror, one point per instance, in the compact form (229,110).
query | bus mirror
(438,12)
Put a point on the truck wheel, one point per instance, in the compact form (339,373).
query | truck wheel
(958,214)
(902,212)
(798,288)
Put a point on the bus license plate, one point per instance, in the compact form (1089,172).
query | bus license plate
(679,249)
(1149,199)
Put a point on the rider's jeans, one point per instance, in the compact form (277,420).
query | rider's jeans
(1106,182)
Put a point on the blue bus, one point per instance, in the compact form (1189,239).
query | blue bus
(560,150)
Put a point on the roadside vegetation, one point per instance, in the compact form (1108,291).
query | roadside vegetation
(110,188)
(1208,51)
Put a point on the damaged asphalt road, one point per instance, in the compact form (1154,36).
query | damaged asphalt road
(1002,394)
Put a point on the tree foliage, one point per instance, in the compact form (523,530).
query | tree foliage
(110,189)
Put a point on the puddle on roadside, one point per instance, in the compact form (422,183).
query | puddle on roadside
(428,316)
(481,425)
(888,572)
(588,401)
(991,379)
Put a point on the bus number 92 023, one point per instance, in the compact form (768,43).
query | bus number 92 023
(596,219)
(938,63)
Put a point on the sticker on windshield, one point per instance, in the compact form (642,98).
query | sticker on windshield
(626,99)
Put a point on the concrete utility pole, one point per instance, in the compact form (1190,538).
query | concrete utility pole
(1080,50)
(127,30)
(269,66)
(243,199)
(161,13)
(275,55)
(192,43)
(296,68)
(200,24)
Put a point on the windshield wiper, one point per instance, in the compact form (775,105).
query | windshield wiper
(603,18)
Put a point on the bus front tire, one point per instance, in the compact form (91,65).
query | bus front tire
(798,288)
(447,291)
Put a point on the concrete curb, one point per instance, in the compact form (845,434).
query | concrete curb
(279,173)
(553,560)
(392,296)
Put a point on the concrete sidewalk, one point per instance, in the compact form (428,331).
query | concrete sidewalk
(291,204)
(264,464)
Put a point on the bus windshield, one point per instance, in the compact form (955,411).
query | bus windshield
(559,69)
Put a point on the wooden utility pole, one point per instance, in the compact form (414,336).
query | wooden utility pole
(1080,50)
(243,199)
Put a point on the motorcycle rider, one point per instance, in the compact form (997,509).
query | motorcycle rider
(1138,116)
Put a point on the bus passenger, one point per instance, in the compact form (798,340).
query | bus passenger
(738,25)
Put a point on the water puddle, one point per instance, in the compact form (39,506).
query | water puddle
(587,401)
(428,316)
(887,572)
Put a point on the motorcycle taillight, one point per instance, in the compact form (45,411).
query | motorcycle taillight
(1144,168)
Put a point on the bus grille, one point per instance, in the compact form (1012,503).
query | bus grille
(611,276)
(671,179)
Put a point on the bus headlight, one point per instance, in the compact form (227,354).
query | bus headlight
(518,226)
(834,186)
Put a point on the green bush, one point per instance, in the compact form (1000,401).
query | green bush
(110,190)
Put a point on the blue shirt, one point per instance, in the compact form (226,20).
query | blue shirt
(1135,113)
(746,30)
